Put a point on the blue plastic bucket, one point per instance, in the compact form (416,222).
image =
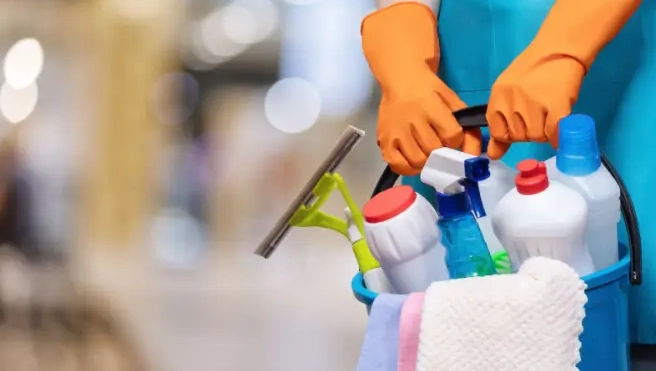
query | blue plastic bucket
(605,339)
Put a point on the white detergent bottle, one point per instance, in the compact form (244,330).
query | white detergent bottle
(577,165)
(400,228)
(542,218)
(492,190)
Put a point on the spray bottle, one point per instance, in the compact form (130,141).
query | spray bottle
(455,176)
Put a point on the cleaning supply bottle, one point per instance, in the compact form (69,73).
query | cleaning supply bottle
(540,217)
(578,166)
(401,232)
(492,190)
(455,176)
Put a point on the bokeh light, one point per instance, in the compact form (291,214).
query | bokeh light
(240,25)
(214,38)
(18,104)
(227,31)
(23,63)
(292,105)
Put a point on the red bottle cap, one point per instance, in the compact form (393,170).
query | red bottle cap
(532,177)
(388,204)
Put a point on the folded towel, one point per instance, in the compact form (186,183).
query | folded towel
(381,342)
(409,331)
(529,321)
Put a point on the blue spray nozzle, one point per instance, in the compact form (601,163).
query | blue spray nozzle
(455,176)
(477,169)
(578,152)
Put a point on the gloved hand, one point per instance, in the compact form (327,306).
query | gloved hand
(540,87)
(415,114)
(527,102)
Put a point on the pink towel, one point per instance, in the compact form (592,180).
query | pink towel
(409,331)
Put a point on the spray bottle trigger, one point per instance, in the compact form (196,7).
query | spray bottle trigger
(474,196)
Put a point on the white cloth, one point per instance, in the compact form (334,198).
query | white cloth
(529,321)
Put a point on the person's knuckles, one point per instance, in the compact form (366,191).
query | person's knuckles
(402,164)
(426,137)
(496,149)
(497,123)
(473,142)
(521,104)
(416,157)
(517,126)
(498,110)
(535,120)
(432,144)
(453,138)
(555,114)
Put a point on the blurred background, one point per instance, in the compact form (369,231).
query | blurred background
(146,147)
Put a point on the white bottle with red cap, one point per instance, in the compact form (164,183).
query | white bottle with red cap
(542,218)
(400,228)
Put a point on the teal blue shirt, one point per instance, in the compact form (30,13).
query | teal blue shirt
(479,39)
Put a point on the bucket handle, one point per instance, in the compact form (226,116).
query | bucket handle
(474,117)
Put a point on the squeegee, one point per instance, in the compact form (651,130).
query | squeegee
(304,210)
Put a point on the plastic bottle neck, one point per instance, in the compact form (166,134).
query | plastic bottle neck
(453,206)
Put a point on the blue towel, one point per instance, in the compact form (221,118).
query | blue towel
(380,350)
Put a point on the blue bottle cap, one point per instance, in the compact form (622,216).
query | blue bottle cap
(450,206)
(578,151)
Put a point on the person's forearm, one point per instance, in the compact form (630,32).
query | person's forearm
(433,4)
(400,44)
(580,29)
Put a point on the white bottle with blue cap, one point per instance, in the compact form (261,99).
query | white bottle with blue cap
(578,166)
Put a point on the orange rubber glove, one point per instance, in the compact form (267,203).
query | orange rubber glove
(542,84)
(415,114)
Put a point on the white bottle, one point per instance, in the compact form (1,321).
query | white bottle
(542,218)
(492,190)
(577,165)
(400,228)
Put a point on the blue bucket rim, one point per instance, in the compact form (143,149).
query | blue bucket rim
(595,280)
